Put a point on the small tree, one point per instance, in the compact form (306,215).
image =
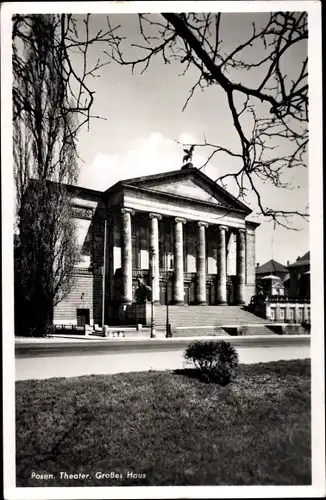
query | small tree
(46,254)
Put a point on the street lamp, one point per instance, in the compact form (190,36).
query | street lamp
(152,255)
(167,328)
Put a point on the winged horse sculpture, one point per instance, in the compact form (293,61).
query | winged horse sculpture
(189,152)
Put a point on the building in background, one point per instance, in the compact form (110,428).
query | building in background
(201,238)
(298,282)
(271,276)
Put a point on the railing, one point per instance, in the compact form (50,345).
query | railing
(143,273)
(164,274)
(290,300)
(68,328)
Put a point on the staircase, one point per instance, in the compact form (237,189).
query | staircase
(201,316)
(256,330)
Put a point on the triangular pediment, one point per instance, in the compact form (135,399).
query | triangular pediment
(188,184)
(187,188)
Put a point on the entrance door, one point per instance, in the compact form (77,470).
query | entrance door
(82,317)
(230,290)
(187,293)
(208,294)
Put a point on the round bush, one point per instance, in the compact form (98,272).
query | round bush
(216,361)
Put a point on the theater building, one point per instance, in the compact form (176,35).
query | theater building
(185,236)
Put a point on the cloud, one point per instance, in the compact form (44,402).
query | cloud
(156,153)
(146,156)
(186,138)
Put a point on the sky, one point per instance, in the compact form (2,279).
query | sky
(144,120)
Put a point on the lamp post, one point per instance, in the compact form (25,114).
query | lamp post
(152,255)
(103,279)
(167,329)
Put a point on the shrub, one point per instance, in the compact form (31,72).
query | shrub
(215,360)
(49,330)
(306,325)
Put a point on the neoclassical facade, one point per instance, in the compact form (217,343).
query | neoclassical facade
(183,235)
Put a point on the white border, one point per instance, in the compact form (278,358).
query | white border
(316,246)
(316,231)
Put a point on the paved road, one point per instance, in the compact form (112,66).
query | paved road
(63,359)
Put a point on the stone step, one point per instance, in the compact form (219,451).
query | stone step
(256,330)
(183,316)
(198,331)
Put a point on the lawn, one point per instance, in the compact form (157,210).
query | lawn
(166,429)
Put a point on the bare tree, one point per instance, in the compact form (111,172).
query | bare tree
(52,100)
(69,42)
(276,105)
(44,162)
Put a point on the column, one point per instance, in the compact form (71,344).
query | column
(178,261)
(154,271)
(241,266)
(201,264)
(126,256)
(221,265)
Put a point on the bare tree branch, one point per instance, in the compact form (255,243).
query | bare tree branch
(67,36)
(276,106)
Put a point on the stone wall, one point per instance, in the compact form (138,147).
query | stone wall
(289,312)
(87,291)
(98,260)
(80,297)
(285,312)
(114,258)
(131,314)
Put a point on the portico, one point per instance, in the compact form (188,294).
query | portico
(176,267)
(203,245)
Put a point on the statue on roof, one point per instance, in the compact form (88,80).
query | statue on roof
(187,159)
(189,152)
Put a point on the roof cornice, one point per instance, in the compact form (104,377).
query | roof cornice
(71,188)
(160,194)
(187,173)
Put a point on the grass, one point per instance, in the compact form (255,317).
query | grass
(168,426)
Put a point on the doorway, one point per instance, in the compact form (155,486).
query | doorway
(186,293)
(82,317)
(209,294)
(230,290)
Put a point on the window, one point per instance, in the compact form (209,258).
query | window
(139,244)
(166,246)
(162,255)
(291,313)
(84,241)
